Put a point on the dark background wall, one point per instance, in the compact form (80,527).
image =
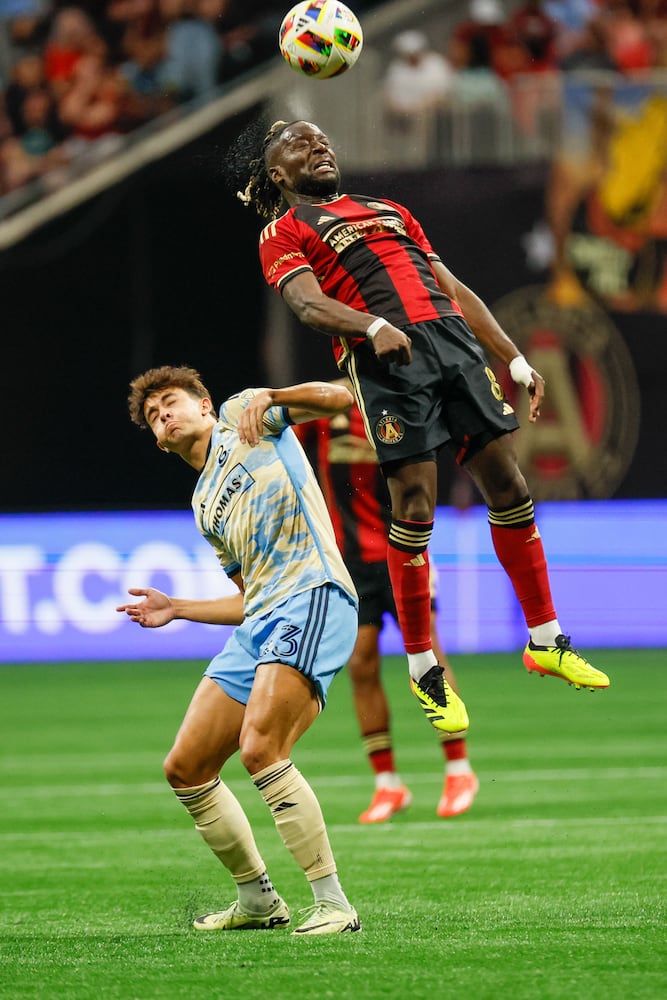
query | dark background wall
(162,269)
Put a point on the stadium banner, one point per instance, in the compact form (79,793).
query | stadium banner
(62,576)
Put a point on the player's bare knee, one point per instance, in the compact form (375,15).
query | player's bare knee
(416,504)
(363,670)
(178,771)
(257,752)
(507,490)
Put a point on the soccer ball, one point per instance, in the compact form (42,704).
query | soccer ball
(320,38)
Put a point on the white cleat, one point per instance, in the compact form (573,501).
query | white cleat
(234,919)
(327,918)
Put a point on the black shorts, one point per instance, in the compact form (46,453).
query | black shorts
(374,590)
(376,597)
(447,395)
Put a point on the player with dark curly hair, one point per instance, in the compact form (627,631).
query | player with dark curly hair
(258,504)
(412,339)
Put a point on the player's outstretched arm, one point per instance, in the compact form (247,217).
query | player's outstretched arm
(158,609)
(491,335)
(306,401)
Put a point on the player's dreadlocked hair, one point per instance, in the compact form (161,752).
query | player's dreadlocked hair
(246,166)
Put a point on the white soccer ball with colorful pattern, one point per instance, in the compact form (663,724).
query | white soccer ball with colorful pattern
(320,38)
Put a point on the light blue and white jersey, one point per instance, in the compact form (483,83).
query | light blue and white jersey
(263,512)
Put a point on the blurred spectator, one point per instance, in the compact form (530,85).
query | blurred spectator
(172,53)
(5,127)
(41,130)
(653,14)
(486,21)
(72,36)
(23,27)
(535,33)
(417,77)
(535,88)
(193,57)
(38,149)
(91,105)
(480,112)
(572,18)
(26,74)
(123,14)
(414,90)
(149,90)
(476,86)
(628,40)
(591,51)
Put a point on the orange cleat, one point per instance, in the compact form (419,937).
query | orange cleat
(386,802)
(458,794)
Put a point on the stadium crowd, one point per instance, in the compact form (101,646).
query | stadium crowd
(510,58)
(74,74)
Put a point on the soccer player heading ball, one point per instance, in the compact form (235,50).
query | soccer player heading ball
(411,337)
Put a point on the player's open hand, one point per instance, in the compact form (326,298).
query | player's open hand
(251,421)
(536,392)
(155,610)
(391,345)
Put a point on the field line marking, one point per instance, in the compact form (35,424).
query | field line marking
(344,780)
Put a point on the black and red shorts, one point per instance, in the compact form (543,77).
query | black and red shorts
(373,586)
(376,597)
(447,395)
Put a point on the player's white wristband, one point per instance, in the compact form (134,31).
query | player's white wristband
(521,371)
(374,327)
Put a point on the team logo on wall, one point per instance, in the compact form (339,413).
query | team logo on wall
(586,435)
(390,430)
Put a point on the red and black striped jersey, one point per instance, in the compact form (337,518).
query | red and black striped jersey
(352,483)
(369,253)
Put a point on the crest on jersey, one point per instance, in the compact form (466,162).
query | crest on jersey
(390,430)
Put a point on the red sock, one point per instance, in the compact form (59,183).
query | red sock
(407,559)
(518,546)
(382,761)
(380,752)
(455,749)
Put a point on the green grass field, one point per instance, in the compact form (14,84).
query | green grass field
(551,886)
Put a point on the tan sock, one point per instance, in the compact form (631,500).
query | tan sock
(221,821)
(298,817)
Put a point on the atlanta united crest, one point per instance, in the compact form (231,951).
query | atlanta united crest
(587,433)
(390,430)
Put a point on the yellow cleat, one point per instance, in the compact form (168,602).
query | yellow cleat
(442,706)
(563,660)
(234,919)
